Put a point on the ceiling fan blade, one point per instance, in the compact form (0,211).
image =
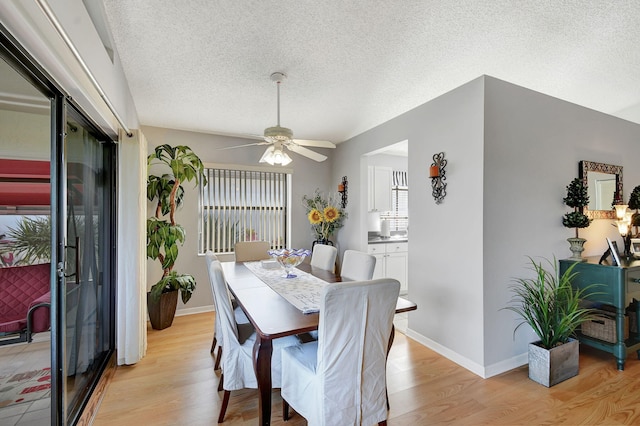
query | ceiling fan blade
(247,144)
(307,152)
(317,144)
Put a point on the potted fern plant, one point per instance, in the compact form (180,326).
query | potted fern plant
(577,198)
(164,235)
(552,307)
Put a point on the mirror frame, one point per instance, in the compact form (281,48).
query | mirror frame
(590,166)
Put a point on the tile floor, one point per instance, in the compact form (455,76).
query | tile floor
(24,357)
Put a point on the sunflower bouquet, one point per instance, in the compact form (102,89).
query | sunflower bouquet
(324,214)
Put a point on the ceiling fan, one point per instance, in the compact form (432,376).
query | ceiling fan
(279,138)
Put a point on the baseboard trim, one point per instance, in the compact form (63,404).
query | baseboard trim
(196,310)
(474,367)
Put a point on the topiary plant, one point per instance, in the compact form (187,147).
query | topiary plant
(634,204)
(577,198)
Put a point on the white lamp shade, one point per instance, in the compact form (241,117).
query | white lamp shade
(267,157)
(274,155)
(621,210)
(623,227)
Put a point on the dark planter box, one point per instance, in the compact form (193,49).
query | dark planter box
(161,312)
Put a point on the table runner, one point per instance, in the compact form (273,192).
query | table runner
(303,292)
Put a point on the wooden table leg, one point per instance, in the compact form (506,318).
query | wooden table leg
(262,351)
(391,337)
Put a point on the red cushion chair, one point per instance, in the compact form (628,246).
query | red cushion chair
(25,301)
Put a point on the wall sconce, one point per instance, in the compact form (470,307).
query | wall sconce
(438,177)
(342,189)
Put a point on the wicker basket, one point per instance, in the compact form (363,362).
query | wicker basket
(604,327)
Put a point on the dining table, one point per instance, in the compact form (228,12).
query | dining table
(273,317)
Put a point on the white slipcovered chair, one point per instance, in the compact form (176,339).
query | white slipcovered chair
(357,266)
(324,257)
(237,358)
(340,379)
(247,251)
(241,318)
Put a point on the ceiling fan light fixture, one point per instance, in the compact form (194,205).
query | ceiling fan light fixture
(285,159)
(275,156)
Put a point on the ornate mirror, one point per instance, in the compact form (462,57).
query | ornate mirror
(604,183)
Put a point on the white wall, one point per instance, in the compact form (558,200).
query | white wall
(396,162)
(29,25)
(25,136)
(307,176)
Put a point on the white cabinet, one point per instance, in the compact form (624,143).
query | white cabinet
(380,180)
(391,262)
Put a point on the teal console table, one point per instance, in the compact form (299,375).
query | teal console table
(621,284)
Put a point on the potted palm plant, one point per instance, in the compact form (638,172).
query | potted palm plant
(552,307)
(577,198)
(164,235)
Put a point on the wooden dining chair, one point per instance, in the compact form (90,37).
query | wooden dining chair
(237,358)
(341,378)
(240,316)
(357,266)
(247,251)
(324,257)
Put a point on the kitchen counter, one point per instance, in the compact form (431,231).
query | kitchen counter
(392,239)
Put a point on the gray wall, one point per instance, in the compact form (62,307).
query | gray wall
(533,144)
(511,152)
(307,176)
(449,315)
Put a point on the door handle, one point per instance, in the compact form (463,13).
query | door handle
(60,269)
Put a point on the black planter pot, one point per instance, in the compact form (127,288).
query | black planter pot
(162,311)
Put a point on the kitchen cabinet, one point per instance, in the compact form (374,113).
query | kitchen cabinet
(391,262)
(380,180)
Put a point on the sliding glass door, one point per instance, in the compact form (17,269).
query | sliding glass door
(87,288)
(71,183)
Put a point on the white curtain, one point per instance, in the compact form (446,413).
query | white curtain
(131,338)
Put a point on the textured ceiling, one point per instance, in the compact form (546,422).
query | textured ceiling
(204,65)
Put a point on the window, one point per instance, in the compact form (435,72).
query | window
(243,205)
(398,217)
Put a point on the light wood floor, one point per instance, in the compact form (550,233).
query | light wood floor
(175,385)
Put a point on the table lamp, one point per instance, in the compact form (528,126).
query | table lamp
(623,223)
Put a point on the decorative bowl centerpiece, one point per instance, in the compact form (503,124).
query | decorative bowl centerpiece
(289,259)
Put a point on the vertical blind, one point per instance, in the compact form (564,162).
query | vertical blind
(242,205)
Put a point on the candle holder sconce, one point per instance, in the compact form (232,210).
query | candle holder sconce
(342,189)
(438,177)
